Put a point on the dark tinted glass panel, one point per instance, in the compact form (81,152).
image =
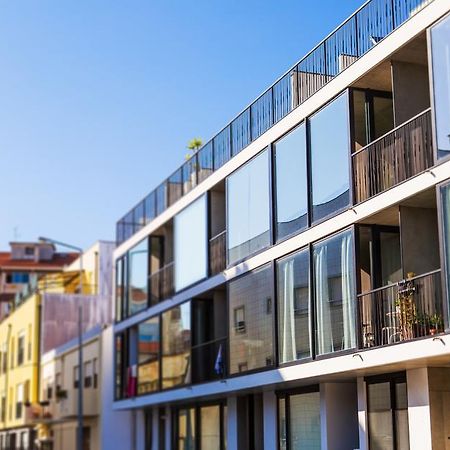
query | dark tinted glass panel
(128,225)
(176,344)
(240,132)
(190,174)
(251,321)
(161,199)
(186,429)
(445,193)
(293,307)
(139,217)
(150,207)
(262,114)
(330,158)
(440,51)
(148,356)
(175,187)
(334,293)
(120,366)
(137,277)
(120,289)
(248,208)
(383,116)
(205,161)
(222,150)
(304,421)
(210,427)
(380,416)
(285,95)
(291,183)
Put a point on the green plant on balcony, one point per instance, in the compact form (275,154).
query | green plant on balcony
(193,146)
(436,323)
(405,307)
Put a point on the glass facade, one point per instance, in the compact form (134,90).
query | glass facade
(251,321)
(329,148)
(120,288)
(445,214)
(291,183)
(176,346)
(440,55)
(248,208)
(148,356)
(191,232)
(293,307)
(334,293)
(138,277)
(299,421)
(186,429)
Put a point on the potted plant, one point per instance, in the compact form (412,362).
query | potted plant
(436,323)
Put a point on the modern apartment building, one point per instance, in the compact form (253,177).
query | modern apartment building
(288,286)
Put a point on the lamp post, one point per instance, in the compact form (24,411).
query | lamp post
(80,339)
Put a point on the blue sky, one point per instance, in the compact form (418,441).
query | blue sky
(99,98)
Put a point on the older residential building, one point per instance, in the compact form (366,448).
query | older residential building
(288,286)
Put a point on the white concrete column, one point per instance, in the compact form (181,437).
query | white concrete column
(419,409)
(270,419)
(362,414)
(339,416)
(232,443)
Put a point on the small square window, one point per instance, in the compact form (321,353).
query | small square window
(239,320)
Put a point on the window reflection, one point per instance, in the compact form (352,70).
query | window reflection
(330,158)
(440,51)
(248,208)
(291,183)
(334,293)
(137,277)
(148,356)
(176,344)
(251,321)
(293,307)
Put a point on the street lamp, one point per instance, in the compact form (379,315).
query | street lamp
(80,338)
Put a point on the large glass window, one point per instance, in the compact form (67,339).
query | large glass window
(291,183)
(334,293)
(329,144)
(251,321)
(137,277)
(120,289)
(440,51)
(293,307)
(191,244)
(248,214)
(148,356)
(176,345)
(186,435)
(121,365)
(299,421)
(445,201)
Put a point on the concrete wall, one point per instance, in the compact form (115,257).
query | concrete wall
(419,255)
(411,90)
(439,386)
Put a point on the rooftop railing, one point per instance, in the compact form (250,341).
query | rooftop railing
(371,23)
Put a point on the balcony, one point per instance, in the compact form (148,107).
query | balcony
(209,361)
(370,24)
(161,283)
(398,155)
(409,309)
(218,253)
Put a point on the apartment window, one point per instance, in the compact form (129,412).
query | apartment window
(248,214)
(49,389)
(58,383)
(95,371)
(291,183)
(191,231)
(76,377)
(11,363)
(21,348)
(299,420)
(121,365)
(293,307)
(387,405)
(19,401)
(329,148)
(3,407)
(4,361)
(137,277)
(30,340)
(17,278)
(251,342)
(176,346)
(29,251)
(88,374)
(334,293)
(440,55)
(148,355)
(121,306)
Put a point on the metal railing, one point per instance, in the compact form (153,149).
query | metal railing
(403,311)
(398,155)
(161,284)
(364,29)
(218,253)
(209,360)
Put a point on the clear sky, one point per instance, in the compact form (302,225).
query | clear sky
(98,99)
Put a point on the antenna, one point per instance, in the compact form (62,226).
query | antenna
(16,233)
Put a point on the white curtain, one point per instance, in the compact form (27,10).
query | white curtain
(347,292)
(289,349)
(324,330)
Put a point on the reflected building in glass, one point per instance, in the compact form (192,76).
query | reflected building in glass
(288,286)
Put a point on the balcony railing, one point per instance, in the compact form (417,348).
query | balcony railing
(399,312)
(161,284)
(218,253)
(209,361)
(398,155)
(371,23)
